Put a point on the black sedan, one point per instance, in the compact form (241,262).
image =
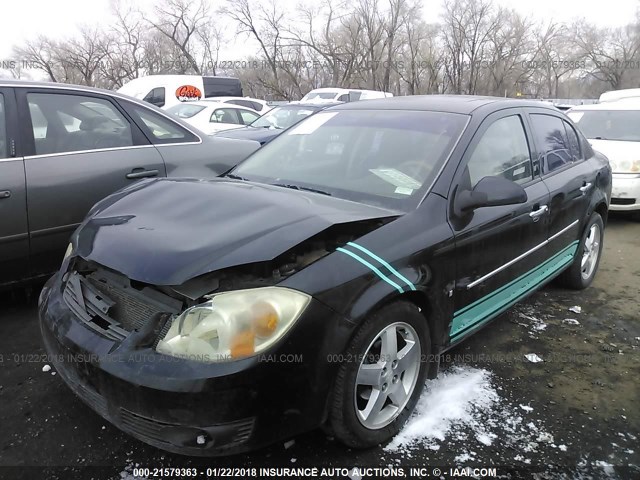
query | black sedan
(275,121)
(320,280)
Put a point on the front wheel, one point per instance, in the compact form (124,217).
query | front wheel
(585,265)
(382,377)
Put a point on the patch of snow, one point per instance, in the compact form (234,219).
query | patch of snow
(448,400)
(46,368)
(127,473)
(563,448)
(464,457)
(461,404)
(526,408)
(571,321)
(576,309)
(533,358)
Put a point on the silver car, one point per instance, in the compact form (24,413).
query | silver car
(64,147)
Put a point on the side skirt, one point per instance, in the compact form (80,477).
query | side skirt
(472,317)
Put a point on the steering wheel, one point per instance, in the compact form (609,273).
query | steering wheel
(417,169)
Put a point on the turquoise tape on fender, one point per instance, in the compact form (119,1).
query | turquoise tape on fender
(383,262)
(373,269)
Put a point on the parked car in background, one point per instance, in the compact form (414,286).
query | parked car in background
(319,281)
(212,117)
(260,106)
(64,147)
(613,129)
(167,90)
(342,95)
(275,121)
(613,95)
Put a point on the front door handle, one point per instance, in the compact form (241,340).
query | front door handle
(536,214)
(586,187)
(5,194)
(141,173)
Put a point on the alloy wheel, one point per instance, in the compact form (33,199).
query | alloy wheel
(387,375)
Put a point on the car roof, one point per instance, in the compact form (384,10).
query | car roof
(465,104)
(210,104)
(629,103)
(224,99)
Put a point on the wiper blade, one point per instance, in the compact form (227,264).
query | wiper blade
(298,187)
(235,177)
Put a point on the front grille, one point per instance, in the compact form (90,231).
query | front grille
(146,427)
(108,304)
(623,201)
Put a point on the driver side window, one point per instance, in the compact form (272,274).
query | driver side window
(63,122)
(502,151)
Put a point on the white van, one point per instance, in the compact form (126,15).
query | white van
(614,95)
(612,128)
(167,90)
(342,95)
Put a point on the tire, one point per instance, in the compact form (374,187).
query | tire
(400,383)
(578,276)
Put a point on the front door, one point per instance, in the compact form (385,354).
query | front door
(14,238)
(499,250)
(83,149)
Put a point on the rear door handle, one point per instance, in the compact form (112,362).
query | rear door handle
(586,187)
(536,214)
(5,194)
(140,173)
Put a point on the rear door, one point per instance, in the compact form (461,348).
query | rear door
(80,148)
(498,249)
(568,175)
(14,238)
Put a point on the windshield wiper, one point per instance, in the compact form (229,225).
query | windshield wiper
(298,187)
(235,177)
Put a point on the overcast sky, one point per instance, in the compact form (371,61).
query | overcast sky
(26,19)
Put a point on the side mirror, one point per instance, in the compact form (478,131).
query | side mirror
(489,192)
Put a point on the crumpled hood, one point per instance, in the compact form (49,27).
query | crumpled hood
(168,231)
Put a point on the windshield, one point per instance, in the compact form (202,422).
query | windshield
(608,124)
(383,158)
(184,110)
(282,117)
(320,95)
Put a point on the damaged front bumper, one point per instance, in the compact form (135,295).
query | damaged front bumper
(189,407)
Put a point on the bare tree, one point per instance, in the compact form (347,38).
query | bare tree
(180,21)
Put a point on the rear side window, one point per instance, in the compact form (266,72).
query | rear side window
(70,123)
(3,129)
(574,143)
(162,130)
(248,117)
(551,141)
(155,97)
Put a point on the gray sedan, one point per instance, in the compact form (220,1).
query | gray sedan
(64,147)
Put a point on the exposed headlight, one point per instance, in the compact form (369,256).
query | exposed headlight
(625,166)
(68,253)
(233,325)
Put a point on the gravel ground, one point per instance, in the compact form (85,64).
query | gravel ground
(575,414)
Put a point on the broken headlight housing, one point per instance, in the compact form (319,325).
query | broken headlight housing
(233,325)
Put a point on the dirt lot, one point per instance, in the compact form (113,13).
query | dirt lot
(575,413)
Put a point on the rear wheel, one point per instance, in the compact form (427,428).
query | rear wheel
(381,379)
(585,265)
